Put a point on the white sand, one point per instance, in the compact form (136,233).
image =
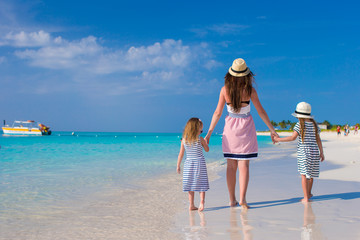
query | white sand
(157,209)
(143,211)
(274,192)
(343,151)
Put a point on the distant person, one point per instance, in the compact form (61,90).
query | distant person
(239,140)
(356,129)
(345,130)
(338,129)
(309,149)
(195,177)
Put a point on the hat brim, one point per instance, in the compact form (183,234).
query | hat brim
(297,115)
(232,73)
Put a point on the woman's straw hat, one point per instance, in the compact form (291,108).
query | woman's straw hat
(303,110)
(239,68)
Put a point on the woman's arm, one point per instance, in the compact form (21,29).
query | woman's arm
(180,157)
(286,139)
(261,111)
(217,114)
(204,144)
(319,143)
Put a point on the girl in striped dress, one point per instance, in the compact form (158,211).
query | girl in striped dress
(309,150)
(195,177)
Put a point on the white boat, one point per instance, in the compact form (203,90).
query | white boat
(26,128)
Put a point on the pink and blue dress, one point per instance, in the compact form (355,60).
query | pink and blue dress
(239,140)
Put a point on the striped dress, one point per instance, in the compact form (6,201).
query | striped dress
(195,177)
(308,156)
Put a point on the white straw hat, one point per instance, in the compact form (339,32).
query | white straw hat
(303,110)
(239,68)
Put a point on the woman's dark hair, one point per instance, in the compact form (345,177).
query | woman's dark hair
(236,86)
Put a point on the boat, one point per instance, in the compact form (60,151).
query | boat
(28,127)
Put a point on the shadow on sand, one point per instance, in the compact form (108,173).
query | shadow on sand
(264,204)
(343,196)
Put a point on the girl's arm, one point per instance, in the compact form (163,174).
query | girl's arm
(217,114)
(204,144)
(319,143)
(287,139)
(261,111)
(180,157)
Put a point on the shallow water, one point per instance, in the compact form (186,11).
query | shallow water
(45,177)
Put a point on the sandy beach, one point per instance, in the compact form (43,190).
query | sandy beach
(158,209)
(274,193)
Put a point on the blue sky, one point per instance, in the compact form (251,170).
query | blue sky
(148,66)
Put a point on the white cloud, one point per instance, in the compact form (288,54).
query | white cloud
(90,56)
(161,66)
(211,64)
(228,28)
(221,29)
(169,54)
(7,17)
(63,54)
(23,39)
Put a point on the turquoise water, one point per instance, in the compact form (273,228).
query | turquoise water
(45,169)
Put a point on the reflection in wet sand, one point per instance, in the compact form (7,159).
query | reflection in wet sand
(310,230)
(199,228)
(235,231)
(195,231)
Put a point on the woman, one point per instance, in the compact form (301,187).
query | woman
(239,137)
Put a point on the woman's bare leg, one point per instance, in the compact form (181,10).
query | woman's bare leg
(243,181)
(231,180)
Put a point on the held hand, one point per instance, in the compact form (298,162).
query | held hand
(178,170)
(276,134)
(274,137)
(322,157)
(207,139)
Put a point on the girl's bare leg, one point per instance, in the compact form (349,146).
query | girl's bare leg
(305,187)
(310,184)
(191,201)
(243,181)
(202,201)
(231,180)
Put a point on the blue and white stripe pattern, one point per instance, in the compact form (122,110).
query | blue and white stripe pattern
(195,177)
(308,156)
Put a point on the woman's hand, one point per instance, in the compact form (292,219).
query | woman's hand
(274,135)
(276,139)
(178,170)
(322,157)
(207,138)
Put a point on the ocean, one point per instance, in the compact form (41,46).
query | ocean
(40,172)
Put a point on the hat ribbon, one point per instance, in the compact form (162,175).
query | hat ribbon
(239,71)
(308,114)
